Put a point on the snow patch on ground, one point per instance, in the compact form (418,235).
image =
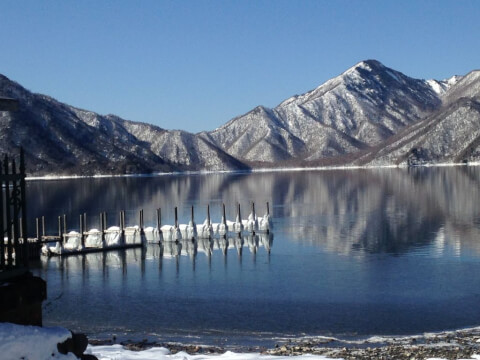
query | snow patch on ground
(117,352)
(32,342)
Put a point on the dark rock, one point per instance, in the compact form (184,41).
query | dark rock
(88,357)
(77,345)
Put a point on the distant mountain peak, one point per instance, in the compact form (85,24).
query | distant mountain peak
(370,64)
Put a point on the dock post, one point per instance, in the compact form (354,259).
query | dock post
(43,227)
(141,222)
(122,226)
(64,223)
(194,230)
(224,219)
(224,215)
(82,230)
(238,226)
(102,228)
(159,219)
(268,216)
(254,218)
(176,218)
(37,228)
(209,223)
(60,230)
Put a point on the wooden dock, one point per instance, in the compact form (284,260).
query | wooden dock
(121,237)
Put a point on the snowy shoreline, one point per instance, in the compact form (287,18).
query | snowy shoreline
(458,344)
(31,342)
(257,170)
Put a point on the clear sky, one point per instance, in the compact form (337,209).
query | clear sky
(194,65)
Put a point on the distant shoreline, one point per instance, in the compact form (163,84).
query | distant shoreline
(259,170)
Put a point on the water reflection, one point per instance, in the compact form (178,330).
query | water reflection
(360,211)
(123,259)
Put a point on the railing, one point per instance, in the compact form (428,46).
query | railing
(13,248)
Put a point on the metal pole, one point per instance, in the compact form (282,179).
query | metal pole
(8,215)
(2,226)
(15,220)
(23,204)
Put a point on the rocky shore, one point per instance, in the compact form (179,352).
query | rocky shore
(461,344)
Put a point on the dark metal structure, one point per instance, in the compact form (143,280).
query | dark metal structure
(13,242)
(21,293)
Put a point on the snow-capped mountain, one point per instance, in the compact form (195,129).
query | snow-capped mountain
(368,115)
(62,139)
(360,108)
(451,134)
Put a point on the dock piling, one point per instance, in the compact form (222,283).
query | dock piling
(208,215)
(60,229)
(82,230)
(37,228)
(176,218)
(159,219)
(224,219)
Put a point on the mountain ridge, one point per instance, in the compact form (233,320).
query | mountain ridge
(368,115)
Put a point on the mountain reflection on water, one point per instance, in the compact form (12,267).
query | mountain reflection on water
(352,252)
(375,211)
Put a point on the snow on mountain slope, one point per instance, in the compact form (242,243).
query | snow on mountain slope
(449,135)
(256,136)
(361,107)
(441,87)
(368,102)
(191,152)
(60,139)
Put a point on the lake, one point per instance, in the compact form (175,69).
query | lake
(353,253)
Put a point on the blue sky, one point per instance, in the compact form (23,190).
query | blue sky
(194,65)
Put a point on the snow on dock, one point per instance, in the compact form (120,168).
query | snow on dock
(171,236)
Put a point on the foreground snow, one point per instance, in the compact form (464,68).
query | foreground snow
(32,342)
(116,352)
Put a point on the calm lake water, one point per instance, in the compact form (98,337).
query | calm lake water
(353,253)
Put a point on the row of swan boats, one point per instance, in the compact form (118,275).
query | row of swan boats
(118,237)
